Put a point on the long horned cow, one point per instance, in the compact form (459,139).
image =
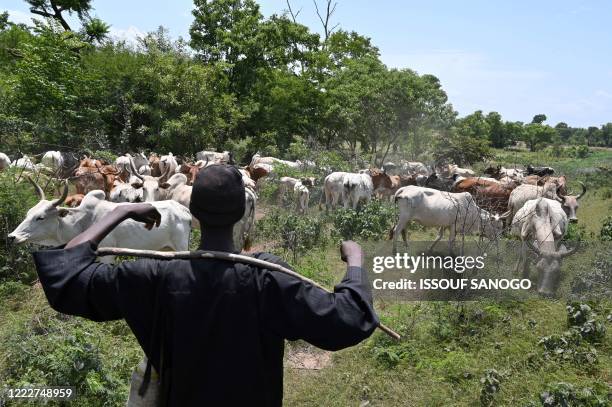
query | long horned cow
(151,186)
(49,224)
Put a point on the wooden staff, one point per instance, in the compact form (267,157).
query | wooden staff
(236,258)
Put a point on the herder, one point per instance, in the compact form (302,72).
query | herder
(213,330)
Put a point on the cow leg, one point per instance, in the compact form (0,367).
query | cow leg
(440,236)
(281,194)
(355,198)
(400,227)
(451,238)
(522,265)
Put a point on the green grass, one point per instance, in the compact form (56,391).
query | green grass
(445,350)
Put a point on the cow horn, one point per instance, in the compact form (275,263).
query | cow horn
(61,199)
(164,176)
(39,190)
(134,170)
(584,189)
(505,215)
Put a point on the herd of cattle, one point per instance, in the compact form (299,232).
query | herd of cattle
(532,202)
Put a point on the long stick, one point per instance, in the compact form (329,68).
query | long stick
(236,258)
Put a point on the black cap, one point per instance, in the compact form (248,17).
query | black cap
(217,198)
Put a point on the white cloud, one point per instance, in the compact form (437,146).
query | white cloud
(129,35)
(19,17)
(473,82)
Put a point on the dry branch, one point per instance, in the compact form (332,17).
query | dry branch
(236,258)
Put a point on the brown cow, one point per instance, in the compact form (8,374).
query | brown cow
(154,164)
(74,200)
(259,171)
(488,195)
(91,178)
(190,170)
(90,163)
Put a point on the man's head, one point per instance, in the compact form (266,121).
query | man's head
(217,198)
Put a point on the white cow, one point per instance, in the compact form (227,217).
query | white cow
(463,172)
(302,196)
(5,161)
(457,212)
(125,192)
(333,188)
(53,161)
(258,159)
(526,192)
(413,168)
(151,189)
(356,187)
(24,162)
(247,180)
(544,221)
(176,189)
(212,157)
(49,224)
(168,163)
(132,165)
(513,173)
(245,227)
(287,184)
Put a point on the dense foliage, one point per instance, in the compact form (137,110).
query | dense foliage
(243,82)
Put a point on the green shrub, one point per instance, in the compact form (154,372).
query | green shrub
(373,221)
(582,318)
(293,233)
(605,234)
(15,199)
(105,155)
(582,151)
(56,350)
(566,394)
(490,381)
(575,232)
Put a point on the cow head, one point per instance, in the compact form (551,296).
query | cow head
(570,204)
(308,181)
(492,224)
(150,185)
(380,179)
(492,171)
(42,221)
(549,265)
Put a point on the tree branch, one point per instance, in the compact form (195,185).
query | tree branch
(293,15)
(58,16)
(328,14)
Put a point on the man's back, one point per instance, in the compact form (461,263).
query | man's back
(214,330)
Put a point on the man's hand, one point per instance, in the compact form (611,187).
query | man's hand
(143,212)
(351,253)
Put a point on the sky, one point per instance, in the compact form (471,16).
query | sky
(518,58)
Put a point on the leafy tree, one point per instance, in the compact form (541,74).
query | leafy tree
(228,31)
(539,119)
(594,136)
(606,134)
(497,130)
(474,126)
(537,135)
(564,131)
(93,28)
(461,149)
